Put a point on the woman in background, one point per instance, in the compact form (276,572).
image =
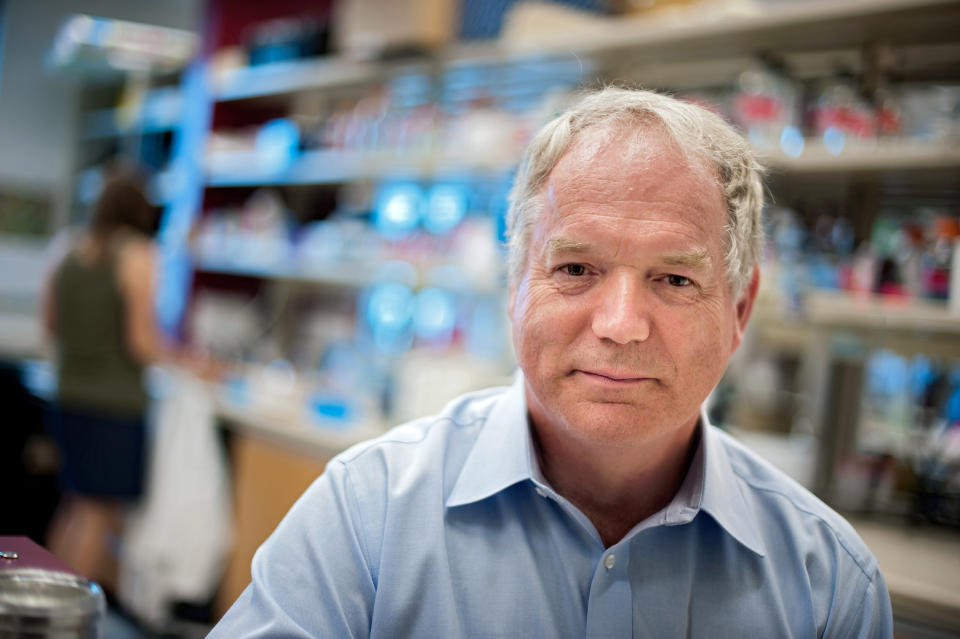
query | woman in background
(99,308)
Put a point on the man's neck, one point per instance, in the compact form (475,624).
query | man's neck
(616,487)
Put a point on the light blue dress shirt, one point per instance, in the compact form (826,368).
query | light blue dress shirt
(445,527)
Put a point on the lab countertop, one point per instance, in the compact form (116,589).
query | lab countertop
(291,429)
(921,565)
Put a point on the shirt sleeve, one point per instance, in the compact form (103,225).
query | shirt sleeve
(876,616)
(311,577)
(869,618)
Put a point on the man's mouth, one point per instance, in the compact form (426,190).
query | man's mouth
(614,377)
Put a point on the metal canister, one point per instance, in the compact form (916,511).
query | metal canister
(46,604)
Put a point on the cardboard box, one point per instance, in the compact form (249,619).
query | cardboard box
(376,28)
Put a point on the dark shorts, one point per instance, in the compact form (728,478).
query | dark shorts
(102,455)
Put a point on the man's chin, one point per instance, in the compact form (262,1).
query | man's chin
(607,422)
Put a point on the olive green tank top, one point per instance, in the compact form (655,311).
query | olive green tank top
(96,369)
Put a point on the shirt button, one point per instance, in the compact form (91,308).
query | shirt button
(540,492)
(609,561)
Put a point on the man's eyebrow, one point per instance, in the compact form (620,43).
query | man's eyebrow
(697,258)
(566,245)
(694,258)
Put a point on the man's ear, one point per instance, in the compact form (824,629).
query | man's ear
(745,307)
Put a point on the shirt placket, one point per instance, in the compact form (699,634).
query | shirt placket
(609,608)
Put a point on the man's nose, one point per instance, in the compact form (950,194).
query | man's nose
(623,312)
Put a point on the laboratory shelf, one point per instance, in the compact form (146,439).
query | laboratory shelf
(704,35)
(883,155)
(351,275)
(293,76)
(843,309)
(753,27)
(335,166)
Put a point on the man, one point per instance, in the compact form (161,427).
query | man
(591,498)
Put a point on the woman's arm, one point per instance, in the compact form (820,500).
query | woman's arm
(48,306)
(56,250)
(136,274)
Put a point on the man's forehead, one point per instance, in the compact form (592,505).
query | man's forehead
(633,172)
(623,170)
(637,148)
(630,162)
(635,141)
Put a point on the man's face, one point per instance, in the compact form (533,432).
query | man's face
(623,320)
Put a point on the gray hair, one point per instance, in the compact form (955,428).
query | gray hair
(697,133)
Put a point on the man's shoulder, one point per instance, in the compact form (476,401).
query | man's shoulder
(455,426)
(780,500)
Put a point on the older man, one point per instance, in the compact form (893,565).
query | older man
(591,498)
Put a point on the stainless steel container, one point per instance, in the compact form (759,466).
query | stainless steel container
(45,604)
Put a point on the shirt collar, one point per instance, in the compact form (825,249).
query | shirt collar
(504,455)
(721,491)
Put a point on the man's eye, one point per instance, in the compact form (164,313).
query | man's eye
(575,270)
(678,281)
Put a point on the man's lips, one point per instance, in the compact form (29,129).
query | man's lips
(616,377)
